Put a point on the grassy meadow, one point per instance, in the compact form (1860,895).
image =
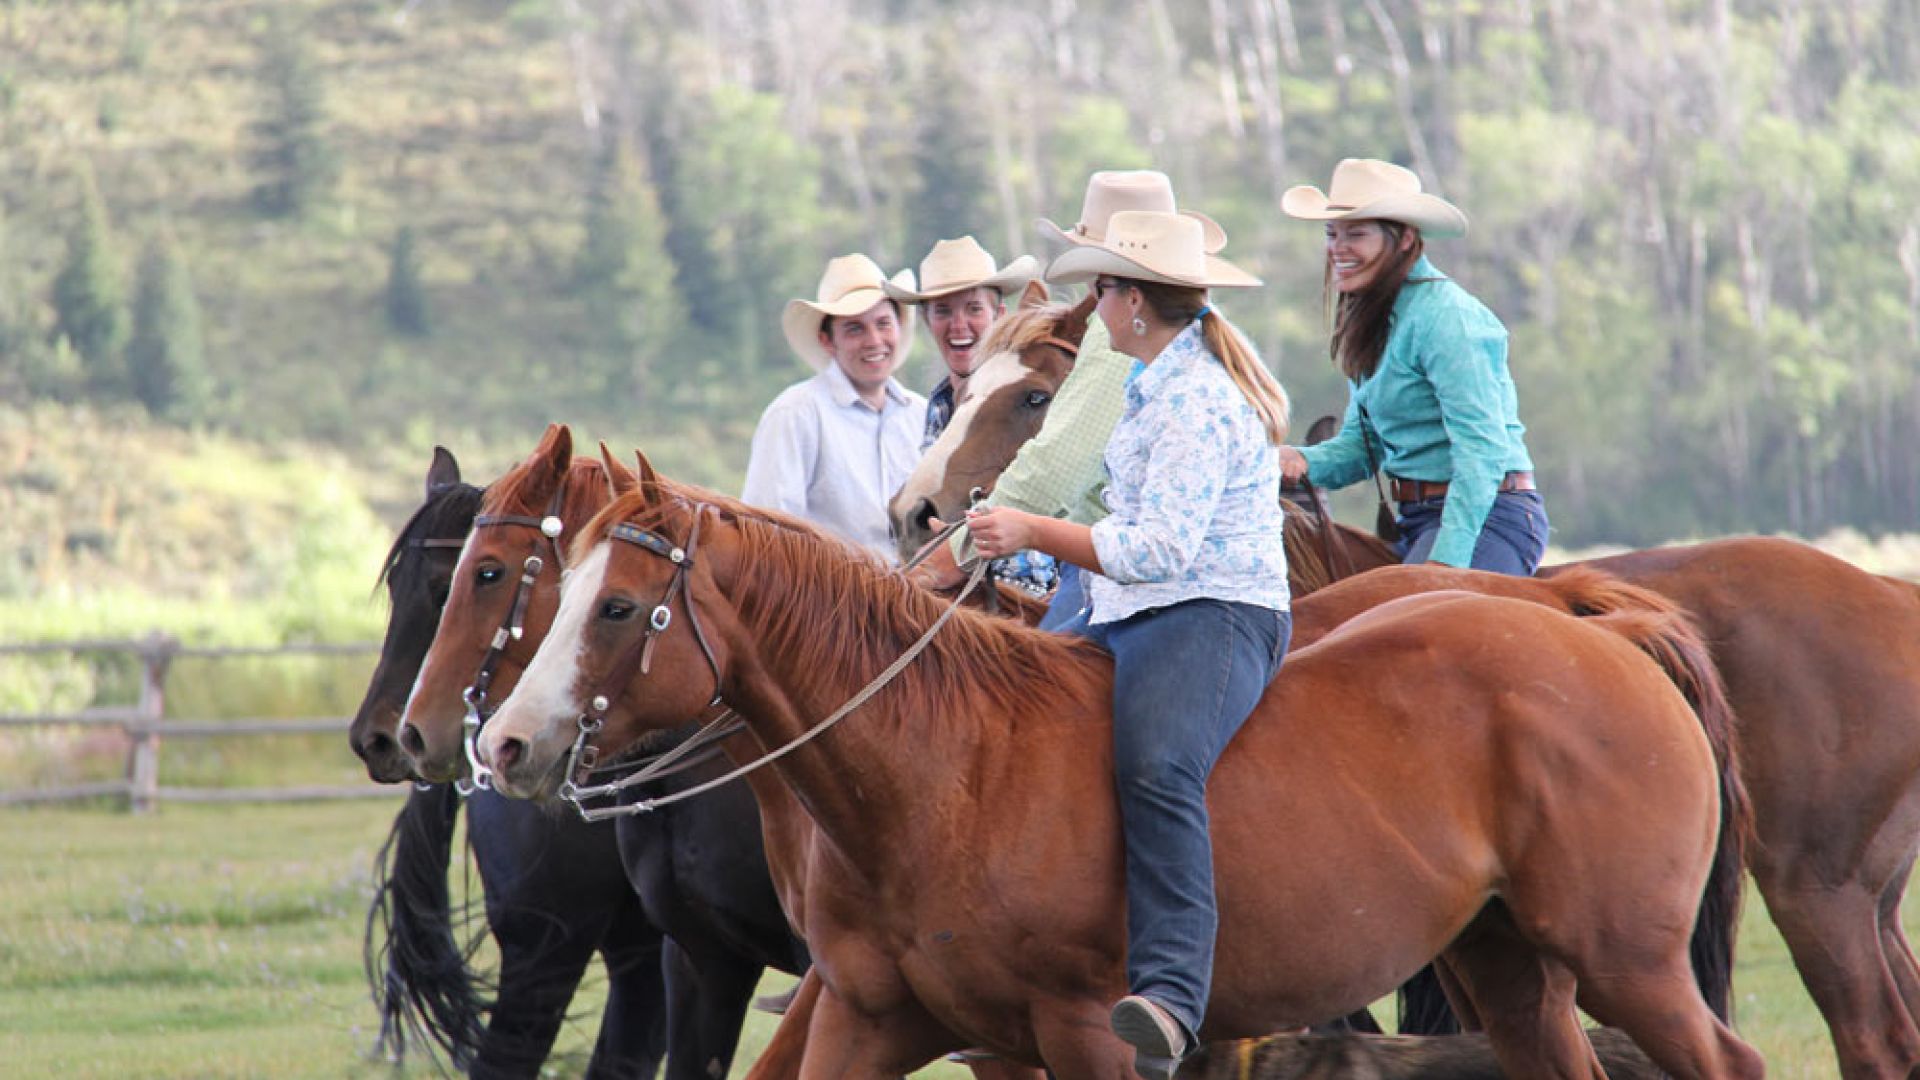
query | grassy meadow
(221,942)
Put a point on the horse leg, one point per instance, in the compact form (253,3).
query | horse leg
(708,1004)
(1659,1007)
(845,1044)
(1893,939)
(541,964)
(1836,938)
(1525,999)
(781,1058)
(633,1026)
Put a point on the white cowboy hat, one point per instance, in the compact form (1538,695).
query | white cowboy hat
(1150,245)
(1109,193)
(851,285)
(1367,189)
(957,265)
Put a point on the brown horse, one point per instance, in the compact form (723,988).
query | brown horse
(1518,790)
(1822,663)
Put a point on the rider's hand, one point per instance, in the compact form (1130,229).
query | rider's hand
(1293,465)
(1000,531)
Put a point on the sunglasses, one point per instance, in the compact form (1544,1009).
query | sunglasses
(1101,288)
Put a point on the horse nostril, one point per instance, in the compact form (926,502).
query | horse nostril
(380,745)
(508,752)
(411,740)
(923,514)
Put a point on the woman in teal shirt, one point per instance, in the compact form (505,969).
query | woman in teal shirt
(1433,404)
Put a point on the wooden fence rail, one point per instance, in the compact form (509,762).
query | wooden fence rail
(146,723)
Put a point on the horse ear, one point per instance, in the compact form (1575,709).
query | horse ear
(620,479)
(443,473)
(1322,430)
(1073,325)
(647,477)
(1034,295)
(555,451)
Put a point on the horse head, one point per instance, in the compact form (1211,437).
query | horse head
(418,574)
(1028,355)
(627,652)
(503,595)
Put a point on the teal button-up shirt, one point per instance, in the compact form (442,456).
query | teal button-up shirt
(1439,407)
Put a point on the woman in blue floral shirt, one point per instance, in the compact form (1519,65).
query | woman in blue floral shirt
(1433,403)
(1191,596)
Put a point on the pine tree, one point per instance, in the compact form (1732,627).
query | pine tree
(950,151)
(167,359)
(406,294)
(88,298)
(623,274)
(296,163)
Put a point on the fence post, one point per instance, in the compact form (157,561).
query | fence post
(143,760)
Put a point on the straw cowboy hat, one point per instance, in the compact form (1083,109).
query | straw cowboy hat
(851,285)
(1151,245)
(1109,193)
(957,265)
(1367,189)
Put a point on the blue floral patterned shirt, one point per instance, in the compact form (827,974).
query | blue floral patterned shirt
(1194,489)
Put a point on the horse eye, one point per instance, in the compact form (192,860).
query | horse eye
(487,575)
(614,609)
(1037,398)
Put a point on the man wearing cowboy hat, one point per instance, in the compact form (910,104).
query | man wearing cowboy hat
(962,293)
(834,449)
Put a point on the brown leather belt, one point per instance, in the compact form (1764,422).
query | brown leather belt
(1422,490)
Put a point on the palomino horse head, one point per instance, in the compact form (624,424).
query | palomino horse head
(1028,355)
(633,646)
(418,575)
(504,592)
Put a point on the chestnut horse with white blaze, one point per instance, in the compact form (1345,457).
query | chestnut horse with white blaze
(1521,791)
(1821,661)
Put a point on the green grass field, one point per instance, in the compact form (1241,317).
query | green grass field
(225,942)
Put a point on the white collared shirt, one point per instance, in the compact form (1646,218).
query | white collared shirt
(823,454)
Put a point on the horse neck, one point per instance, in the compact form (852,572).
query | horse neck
(882,780)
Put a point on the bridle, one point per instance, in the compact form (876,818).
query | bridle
(637,661)
(512,628)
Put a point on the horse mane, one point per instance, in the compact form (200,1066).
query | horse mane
(1021,328)
(447,512)
(516,492)
(798,574)
(1307,569)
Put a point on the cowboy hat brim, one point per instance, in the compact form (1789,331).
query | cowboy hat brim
(1009,281)
(1085,262)
(1073,238)
(801,320)
(1431,214)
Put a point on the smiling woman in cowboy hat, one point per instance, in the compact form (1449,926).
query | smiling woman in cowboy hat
(962,293)
(834,449)
(1433,403)
(1192,600)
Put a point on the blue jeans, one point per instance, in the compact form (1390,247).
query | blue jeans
(1071,607)
(1511,542)
(1185,678)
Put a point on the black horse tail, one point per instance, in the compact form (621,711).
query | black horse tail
(418,972)
(1662,630)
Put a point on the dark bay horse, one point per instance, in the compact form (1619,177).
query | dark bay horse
(554,888)
(698,870)
(1821,661)
(1523,792)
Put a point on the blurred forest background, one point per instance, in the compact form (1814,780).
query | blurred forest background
(256,258)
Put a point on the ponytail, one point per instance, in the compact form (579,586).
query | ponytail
(1262,390)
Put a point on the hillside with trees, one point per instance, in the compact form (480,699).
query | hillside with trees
(367,226)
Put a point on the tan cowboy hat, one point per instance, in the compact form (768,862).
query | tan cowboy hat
(1150,245)
(1367,189)
(851,285)
(1109,193)
(957,265)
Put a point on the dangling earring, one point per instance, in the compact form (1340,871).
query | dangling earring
(1139,327)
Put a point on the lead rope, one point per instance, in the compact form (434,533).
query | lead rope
(574,795)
